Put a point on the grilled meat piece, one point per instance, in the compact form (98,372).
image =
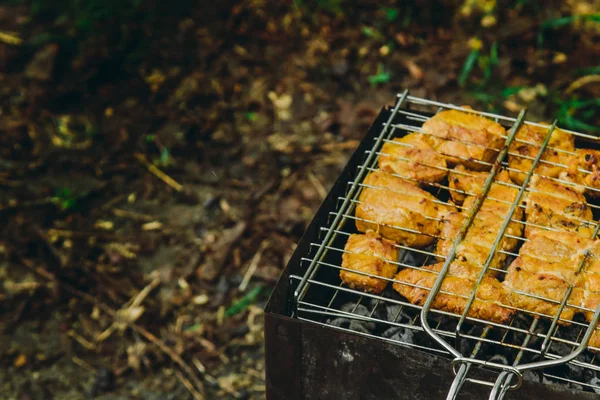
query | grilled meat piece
(370,254)
(479,239)
(489,303)
(550,204)
(584,171)
(398,210)
(487,223)
(539,293)
(464,183)
(526,146)
(465,138)
(413,158)
(547,265)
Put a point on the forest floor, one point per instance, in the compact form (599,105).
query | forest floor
(157,170)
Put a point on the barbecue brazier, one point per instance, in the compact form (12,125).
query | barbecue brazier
(327,341)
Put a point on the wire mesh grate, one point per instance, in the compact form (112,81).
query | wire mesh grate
(528,338)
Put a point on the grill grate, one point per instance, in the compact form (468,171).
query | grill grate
(518,349)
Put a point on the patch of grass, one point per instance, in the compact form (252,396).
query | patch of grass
(391,14)
(65,199)
(250,116)
(577,114)
(380,77)
(588,71)
(564,21)
(244,302)
(468,67)
(83,16)
(165,159)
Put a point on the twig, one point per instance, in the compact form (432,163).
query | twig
(318,185)
(584,80)
(167,350)
(81,340)
(153,169)
(80,363)
(253,265)
(10,38)
(132,303)
(142,331)
(188,385)
(348,145)
(133,215)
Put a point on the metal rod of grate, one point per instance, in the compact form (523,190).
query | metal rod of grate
(541,341)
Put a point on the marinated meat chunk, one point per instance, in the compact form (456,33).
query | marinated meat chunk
(464,183)
(413,158)
(548,264)
(584,171)
(487,223)
(491,301)
(465,138)
(370,254)
(561,208)
(526,146)
(398,210)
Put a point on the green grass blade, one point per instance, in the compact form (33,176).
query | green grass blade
(244,302)
(468,67)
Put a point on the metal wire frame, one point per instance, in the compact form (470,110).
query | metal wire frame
(344,214)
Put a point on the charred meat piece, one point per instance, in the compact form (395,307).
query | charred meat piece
(465,138)
(526,146)
(584,171)
(413,158)
(489,304)
(398,210)
(370,254)
(561,208)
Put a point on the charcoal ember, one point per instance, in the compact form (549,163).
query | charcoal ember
(354,324)
(575,372)
(575,386)
(562,349)
(498,359)
(531,376)
(404,335)
(392,311)
(412,258)
(595,382)
(467,343)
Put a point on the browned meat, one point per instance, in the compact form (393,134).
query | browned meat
(398,210)
(487,223)
(550,204)
(521,155)
(584,171)
(412,157)
(370,254)
(490,300)
(527,291)
(465,183)
(547,265)
(465,138)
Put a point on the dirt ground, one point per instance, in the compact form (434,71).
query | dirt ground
(158,164)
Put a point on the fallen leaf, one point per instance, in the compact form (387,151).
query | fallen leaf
(152,226)
(211,267)
(106,225)
(20,361)
(414,70)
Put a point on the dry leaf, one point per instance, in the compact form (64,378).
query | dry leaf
(152,226)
